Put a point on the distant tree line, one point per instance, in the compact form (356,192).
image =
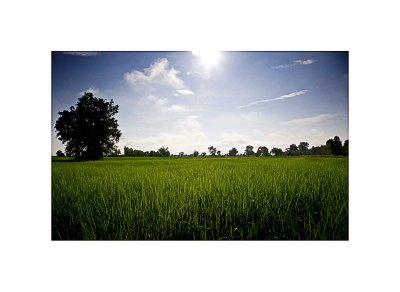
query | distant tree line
(332,147)
(162,152)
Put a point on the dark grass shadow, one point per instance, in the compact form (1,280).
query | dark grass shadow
(63,159)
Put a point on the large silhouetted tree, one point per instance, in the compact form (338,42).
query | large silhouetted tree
(89,128)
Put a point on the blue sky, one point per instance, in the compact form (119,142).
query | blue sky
(192,100)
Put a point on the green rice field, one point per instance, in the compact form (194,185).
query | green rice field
(237,198)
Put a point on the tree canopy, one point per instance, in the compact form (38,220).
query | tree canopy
(233,152)
(89,128)
(335,145)
(277,151)
(262,151)
(212,150)
(249,150)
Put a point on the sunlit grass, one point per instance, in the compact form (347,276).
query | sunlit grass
(201,198)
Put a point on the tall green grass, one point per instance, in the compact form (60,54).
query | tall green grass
(201,198)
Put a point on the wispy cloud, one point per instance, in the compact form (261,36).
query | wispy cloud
(82,54)
(295,63)
(205,74)
(159,73)
(185,92)
(310,120)
(233,140)
(161,104)
(282,97)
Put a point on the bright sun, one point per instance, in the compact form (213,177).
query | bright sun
(208,59)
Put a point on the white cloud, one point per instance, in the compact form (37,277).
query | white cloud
(203,73)
(161,104)
(305,62)
(187,134)
(295,63)
(189,124)
(282,97)
(293,94)
(82,54)
(175,108)
(251,117)
(185,92)
(233,140)
(284,66)
(159,73)
(310,120)
(93,90)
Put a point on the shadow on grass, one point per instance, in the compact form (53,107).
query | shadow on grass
(62,159)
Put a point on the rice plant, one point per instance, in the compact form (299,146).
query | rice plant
(241,198)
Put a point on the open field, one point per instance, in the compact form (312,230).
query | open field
(201,198)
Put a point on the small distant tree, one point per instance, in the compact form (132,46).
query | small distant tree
(153,153)
(292,150)
(335,145)
(303,147)
(164,152)
(249,150)
(195,153)
(181,154)
(212,150)
(262,151)
(59,153)
(233,152)
(346,148)
(320,150)
(127,151)
(203,154)
(219,152)
(277,151)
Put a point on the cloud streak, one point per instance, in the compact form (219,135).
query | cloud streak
(185,92)
(282,97)
(310,120)
(295,63)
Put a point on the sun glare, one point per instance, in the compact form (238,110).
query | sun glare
(208,59)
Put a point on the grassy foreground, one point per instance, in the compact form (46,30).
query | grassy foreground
(201,198)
